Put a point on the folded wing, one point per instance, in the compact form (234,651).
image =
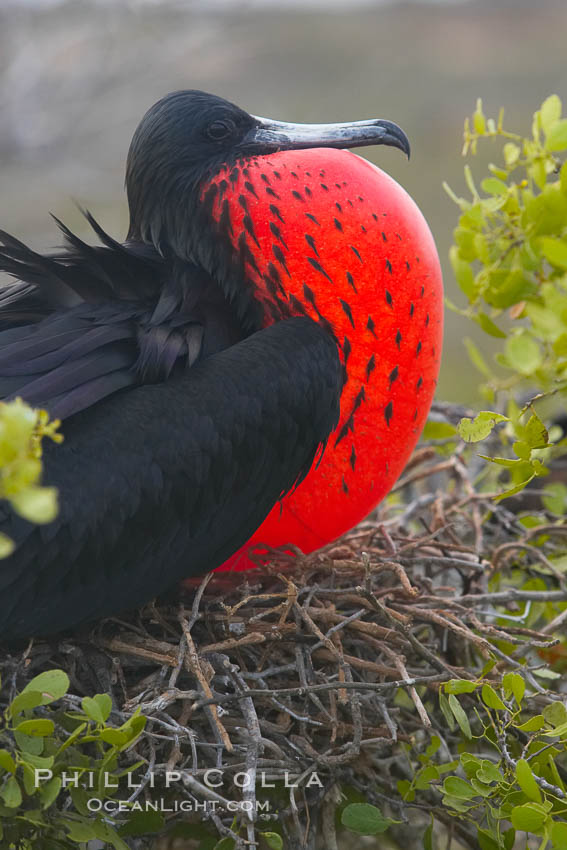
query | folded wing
(167,480)
(80,325)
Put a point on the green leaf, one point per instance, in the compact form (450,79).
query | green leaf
(535,433)
(479,121)
(510,463)
(7,762)
(365,819)
(546,673)
(405,790)
(273,840)
(446,710)
(526,781)
(476,358)
(560,345)
(555,714)
(522,450)
(81,831)
(488,840)
(433,746)
(438,431)
(555,251)
(493,186)
(460,716)
(453,786)
(48,793)
(30,786)
(460,686)
(470,764)
(514,684)
(38,727)
(92,709)
(7,545)
(28,744)
(457,804)
(41,762)
(114,737)
(534,724)
(104,702)
(563,178)
(559,836)
(550,112)
(557,137)
(53,684)
(463,273)
(516,287)
(523,353)
(511,154)
(489,772)
(558,732)
(11,793)
(428,836)
(425,777)
(528,818)
(24,701)
(491,699)
(76,733)
(536,170)
(107,833)
(224,844)
(36,504)
(514,490)
(538,467)
(554,498)
(477,429)
(488,326)
(134,726)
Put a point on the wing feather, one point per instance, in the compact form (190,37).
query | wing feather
(89,321)
(168,480)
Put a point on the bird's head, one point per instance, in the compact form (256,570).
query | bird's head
(187,136)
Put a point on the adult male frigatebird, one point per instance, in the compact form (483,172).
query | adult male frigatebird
(271,290)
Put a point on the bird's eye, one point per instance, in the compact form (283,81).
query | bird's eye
(219,130)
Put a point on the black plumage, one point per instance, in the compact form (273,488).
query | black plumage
(167,480)
(185,419)
(182,429)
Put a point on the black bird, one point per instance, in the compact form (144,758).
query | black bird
(185,417)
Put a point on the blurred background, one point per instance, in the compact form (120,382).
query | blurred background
(76,77)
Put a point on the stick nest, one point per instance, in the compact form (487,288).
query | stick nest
(322,664)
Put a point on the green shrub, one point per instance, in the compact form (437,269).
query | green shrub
(22,430)
(47,753)
(510,261)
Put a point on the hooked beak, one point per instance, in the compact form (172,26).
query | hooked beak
(269,136)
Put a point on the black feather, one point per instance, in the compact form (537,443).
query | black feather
(168,480)
(85,322)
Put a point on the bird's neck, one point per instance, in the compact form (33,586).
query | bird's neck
(179,221)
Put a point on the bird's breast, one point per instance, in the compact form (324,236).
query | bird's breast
(327,234)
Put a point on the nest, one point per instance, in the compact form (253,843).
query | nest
(317,666)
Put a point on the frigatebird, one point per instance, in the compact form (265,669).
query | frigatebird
(201,367)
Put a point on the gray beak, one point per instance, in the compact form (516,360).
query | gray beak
(269,136)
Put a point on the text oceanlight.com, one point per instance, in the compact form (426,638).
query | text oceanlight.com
(209,785)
